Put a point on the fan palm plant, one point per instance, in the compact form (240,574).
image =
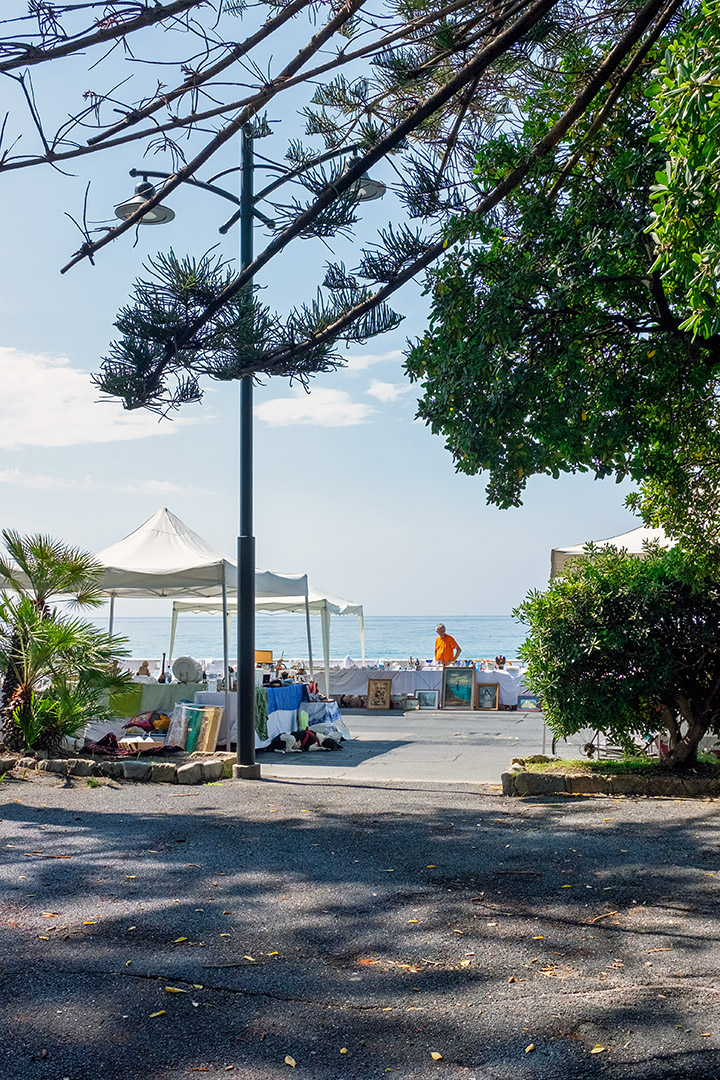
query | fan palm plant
(43,649)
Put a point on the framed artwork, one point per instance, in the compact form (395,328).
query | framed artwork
(488,695)
(411,701)
(428,699)
(529,703)
(458,688)
(378,693)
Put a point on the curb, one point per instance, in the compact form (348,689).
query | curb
(545,783)
(197,768)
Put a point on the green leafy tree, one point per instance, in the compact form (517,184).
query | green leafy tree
(553,344)
(628,646)
(686,195)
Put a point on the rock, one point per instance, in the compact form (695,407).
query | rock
(190,773)
(43,766)
(669,786)
(629,785)
(508,783)
(588,784)
(26,763)
(695,787)
(528,783)
(211,770)
(136,770)
(162,772)
(58,765)
(81,767)
(8,763)
(113,769)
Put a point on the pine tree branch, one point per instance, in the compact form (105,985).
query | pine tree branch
(200,78)
(198,117)
(348,9)
(642,20)
(149,17)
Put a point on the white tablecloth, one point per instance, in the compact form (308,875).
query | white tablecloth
(278,721)
(407,681)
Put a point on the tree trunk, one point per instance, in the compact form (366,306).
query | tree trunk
(684,748)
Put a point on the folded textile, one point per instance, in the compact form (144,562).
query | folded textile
(261,712)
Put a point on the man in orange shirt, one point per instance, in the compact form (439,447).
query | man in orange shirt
(447,649)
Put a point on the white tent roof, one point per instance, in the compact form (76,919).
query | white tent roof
(633,542)
(164,557)
(266,602)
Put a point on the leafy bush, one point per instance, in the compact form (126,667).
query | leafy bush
(628,646)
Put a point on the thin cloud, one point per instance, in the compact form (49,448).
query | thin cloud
(323,408)
(386,391)
(363,361)
(45,401)
(42,482)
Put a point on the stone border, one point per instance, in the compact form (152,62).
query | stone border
(198,768)
(523,783)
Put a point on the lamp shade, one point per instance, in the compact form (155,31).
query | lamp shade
(158,215)
(366,189)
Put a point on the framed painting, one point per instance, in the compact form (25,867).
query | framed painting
(378,693)
(411,702)
(529,703)
(458,688)
(428,699)
(488,695)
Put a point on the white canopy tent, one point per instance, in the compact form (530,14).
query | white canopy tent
(319,603)
(164,558)
(633,542)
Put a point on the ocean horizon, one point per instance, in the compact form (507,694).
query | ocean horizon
(387,637)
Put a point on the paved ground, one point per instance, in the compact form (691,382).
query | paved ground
(300,919)
(448,745)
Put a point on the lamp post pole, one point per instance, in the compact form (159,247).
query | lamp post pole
(247,767)
(366,190)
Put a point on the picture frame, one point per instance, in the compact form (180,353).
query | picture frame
(529,703)
(378,694)
(487,696)
(458,688)
(411,702)
(428,699)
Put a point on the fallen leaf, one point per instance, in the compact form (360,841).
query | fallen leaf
(89,922)
(431,866)
(177,939)
(131,928)
(344,1050)
(273,954)
(597,1049)
(511,979)
(251,958)
(176,990)
(435,1056)
(290,1061)
(605,916)
(160,1012)
(49,914)
(43,937)
(530,1048)
(566,886)
(226,935)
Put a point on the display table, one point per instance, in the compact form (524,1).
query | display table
(283,702)
(407,681)
(149,697)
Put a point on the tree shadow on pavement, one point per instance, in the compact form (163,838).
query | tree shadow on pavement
(150,933)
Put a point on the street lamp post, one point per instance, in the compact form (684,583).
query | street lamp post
(365,190)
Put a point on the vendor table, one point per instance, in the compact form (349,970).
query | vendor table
(407,681)
(148,697)
(283,703)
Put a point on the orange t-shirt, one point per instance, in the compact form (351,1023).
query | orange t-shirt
(445,648)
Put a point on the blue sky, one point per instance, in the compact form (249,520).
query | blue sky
(349,486)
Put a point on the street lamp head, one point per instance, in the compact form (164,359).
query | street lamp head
(365,189)
(159,214)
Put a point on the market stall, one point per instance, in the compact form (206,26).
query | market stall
(633,542)
(315,602)
(353,681)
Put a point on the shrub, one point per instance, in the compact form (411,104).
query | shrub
(629,646)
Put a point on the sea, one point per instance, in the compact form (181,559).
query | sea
(387,637)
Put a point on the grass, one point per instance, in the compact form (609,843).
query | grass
(93,783)
(707,765)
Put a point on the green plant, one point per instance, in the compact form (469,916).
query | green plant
(628,646)
(93,783)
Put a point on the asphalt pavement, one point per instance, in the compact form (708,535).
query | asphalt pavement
(449,745)
(358,930)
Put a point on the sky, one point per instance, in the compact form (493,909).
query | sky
(349,486)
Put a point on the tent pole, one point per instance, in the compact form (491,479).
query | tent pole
(111,622)
(173,628)
(325,619)
(226,658)
(309,637)
(361,628)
